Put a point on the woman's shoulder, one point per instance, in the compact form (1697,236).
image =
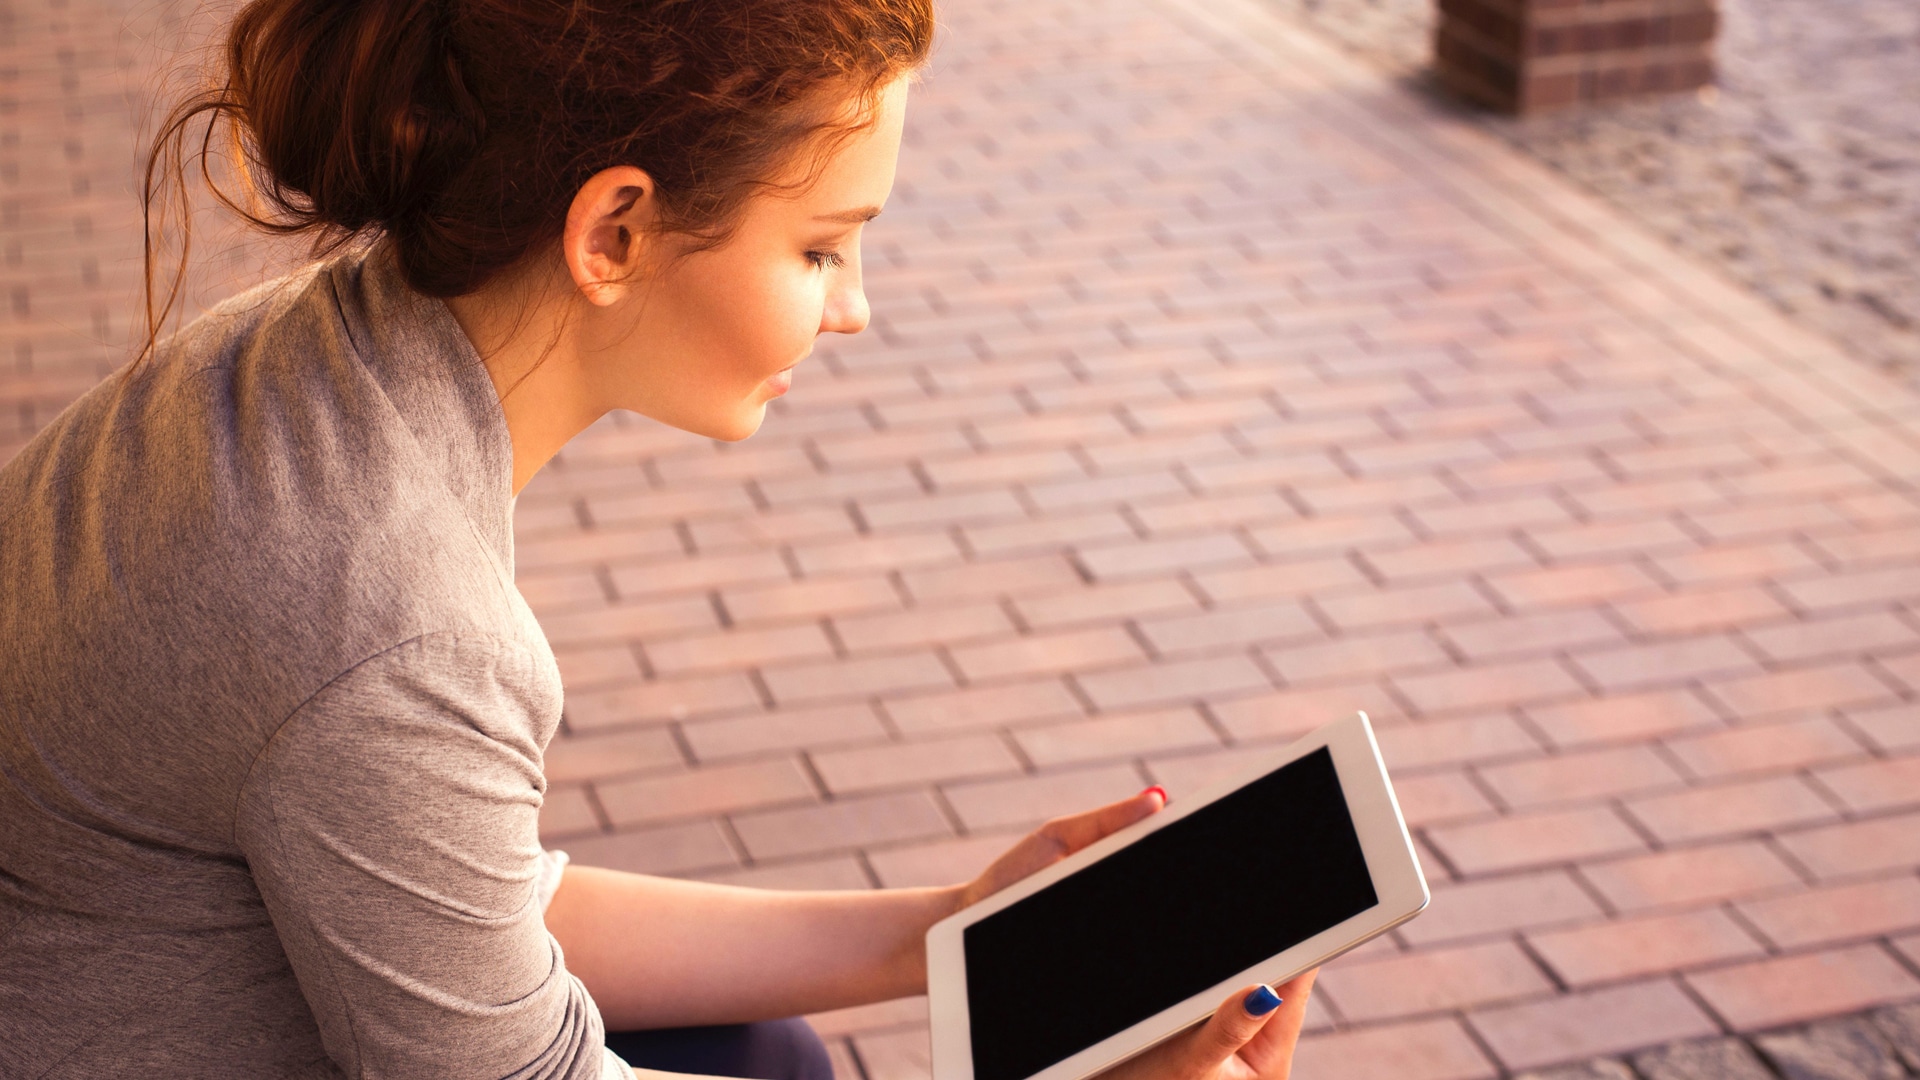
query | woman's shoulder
(267,472)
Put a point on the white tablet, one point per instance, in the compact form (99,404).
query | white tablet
(1098,957)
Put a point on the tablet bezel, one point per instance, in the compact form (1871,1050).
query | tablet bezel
(1391,862)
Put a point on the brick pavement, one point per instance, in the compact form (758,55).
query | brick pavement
(1218,387)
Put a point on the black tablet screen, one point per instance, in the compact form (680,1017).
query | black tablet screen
(1213,894)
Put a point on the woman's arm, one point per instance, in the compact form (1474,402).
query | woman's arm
(655,952)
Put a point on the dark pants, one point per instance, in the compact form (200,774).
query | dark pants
(769,1050)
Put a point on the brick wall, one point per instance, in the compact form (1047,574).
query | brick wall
(1529,55)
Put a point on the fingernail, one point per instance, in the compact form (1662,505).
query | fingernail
(1160,791)
(1262,1001)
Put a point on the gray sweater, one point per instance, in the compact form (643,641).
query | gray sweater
(272,713)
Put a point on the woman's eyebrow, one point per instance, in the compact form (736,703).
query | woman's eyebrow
(851,217)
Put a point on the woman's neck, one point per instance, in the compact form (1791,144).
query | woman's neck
(526,341)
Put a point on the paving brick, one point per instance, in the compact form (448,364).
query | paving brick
(849,823)
(1853,634)
(870,768)
(983,706)
(1497,515)
(1846,589)
(1577,1026)
(699,574)
(1691,875)
(1800,690)
(1288,713)
(1046,533)
(1348,659)
(1172,681)
(1764,747)
(1448,558)
(567,811)
(621,623)
(1535,839)
(829,680)
(589,667)
(738,648)
(1116,736)
(1888,728)
(1581,776)
(1691,611)
(1857,847)
(840,596)
(1437,1049)
(1498,906)
(1838,913)
(864,553)
(1307,537)
(1647,945)
(1580,583)
(944,862)
(1622,718)
(785,729)
(660,700)
(1457,741)
(989,578)
(1532,634)
(892,630)
(1755,562)
(1361,610)
(1277,621)
(691,847)
(1026,801)
(1096,603)
(571,758)
(1431,798)
(1790,989)
(1872,786)
(1046,654)
(1432,980)
(1669,662)
(1147,558)
(1748,806)
(716,789)
(1519,682)
(1284,579)
(1565,543)
(1183,774)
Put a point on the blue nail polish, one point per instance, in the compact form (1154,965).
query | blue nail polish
(1262,1001)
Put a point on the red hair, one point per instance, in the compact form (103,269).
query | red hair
(461,129)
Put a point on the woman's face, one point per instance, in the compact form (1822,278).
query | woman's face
(715,335)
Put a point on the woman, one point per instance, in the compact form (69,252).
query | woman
(271,711)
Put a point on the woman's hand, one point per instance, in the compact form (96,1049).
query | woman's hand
(1058,839)
(1248,1038)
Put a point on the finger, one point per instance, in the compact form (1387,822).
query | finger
(1270,1053)
(1232,1026)
(1071,834)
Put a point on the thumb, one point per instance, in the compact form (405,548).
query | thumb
(1233,1025)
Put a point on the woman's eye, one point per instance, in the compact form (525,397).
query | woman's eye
(825,260)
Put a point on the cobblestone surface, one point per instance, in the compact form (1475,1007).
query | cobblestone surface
(1799,174)
(1218,386)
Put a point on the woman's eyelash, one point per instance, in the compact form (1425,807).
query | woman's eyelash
(825,260)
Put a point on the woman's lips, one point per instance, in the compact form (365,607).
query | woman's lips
(781,382)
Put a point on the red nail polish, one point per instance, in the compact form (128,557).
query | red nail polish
(1160,791)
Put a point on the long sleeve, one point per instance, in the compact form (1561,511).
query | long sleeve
(391,824)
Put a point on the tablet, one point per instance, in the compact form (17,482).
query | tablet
(1280,868)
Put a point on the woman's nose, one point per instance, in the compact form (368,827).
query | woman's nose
(846,309)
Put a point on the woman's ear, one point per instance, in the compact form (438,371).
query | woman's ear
(607,232)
